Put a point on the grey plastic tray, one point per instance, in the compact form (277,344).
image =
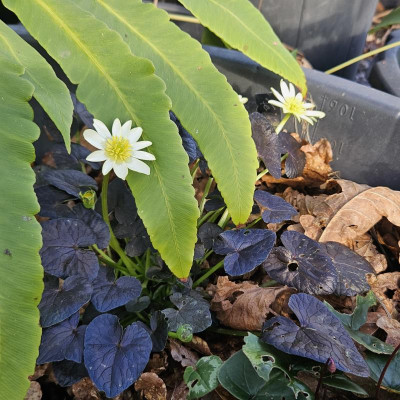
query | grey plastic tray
(362,124)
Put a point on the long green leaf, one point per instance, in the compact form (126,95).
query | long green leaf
(50,92)
(391,19)
(21,273)
(201,97)
(243,27)
(114,83)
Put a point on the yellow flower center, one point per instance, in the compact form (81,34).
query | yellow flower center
(118,149)
(294,106)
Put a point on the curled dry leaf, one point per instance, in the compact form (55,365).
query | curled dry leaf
(392,327)
(85,390)
(158,362)
(311,226)
(200,345)
(381,284)
(182,354)
(364,246)
(34,392)
(244,305)
(151,386)
(361,213)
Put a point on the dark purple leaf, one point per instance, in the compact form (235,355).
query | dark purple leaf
(70,181)
(78,154)
(191,311)
(109,293)
(158,330)
(301,264)
(274,208)
(114,357)
(138,305)
(296,159)
(320,335)
(60,302)
(245,249)
(81,111)
(68,372)
(63,252)
(95,222)
(207,234)
(267,142)
(350,268)
(52,202)
(63,341)
(214,201)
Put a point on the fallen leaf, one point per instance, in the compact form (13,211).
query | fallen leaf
(151,386)
(392,327)
(34,392)
(380,284)
(200,345)
(182,354)
(361,213)
(364,246)
(244,305)
(85,390)
(180,392)
(157,363)
(40,370)
(311,226)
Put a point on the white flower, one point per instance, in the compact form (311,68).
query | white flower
(120,150)
(292,103)
(242,99)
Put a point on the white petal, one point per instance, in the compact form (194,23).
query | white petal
(107,167)
(121,170)
(126,127)
(101,129)
(140,145)
(308,105)
(97,155)
(276,103)
(285,90)
(143,155)
(298,96)
(94,138)
(278,95)
(312,113)
(138,166)
(135,134)
(116,128)
(309,120)
(292,91)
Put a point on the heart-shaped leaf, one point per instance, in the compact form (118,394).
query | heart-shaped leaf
(60,302)
(296,159)
(267,142)
(114,357)
(245,249)
(377,362)
(350,268)
(109,293)
(63,341)
(202,378)
(64,250)
(70,180)
(69,372)
(78,155)
(274,209)
(52,202)
(320,335)
(208,233)
(301,264)
(192,311)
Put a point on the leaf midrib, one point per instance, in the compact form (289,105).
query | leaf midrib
(113,85)
(177,72)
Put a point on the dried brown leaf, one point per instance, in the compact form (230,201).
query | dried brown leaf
(311,226)
(364,246)
(380,284)
(158,362)
(85,390)
(151,386)
(182,354)
(200,345)
(34,392)
(392,328)
(242,305)
(180,392)
(361,213)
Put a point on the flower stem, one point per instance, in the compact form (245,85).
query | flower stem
(262,173)
(194,169)
(232,332)
(205,194)
(114,244)
(224,219)
(256,221)
(208,273)
(390,359)
(109,261)
(282,123)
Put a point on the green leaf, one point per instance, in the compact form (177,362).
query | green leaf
(202,379)
(115,84)
(340,381)
(21,273)
(377,362)
(239,378)
(201,97)
(391,19)
(50,92)
(243,27)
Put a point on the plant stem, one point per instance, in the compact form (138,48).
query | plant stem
(362,57)
(323,371)
(255,222)
(282,123)
(390,359)
(205,194)
(232,332)
(262,173)
(104,258)
(114,244)
(216,214)
(208,254)
(224,219)
(269,284)
(183,18)
(194,168)
(208,273)
(173,335)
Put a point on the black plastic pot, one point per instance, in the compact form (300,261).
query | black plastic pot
(385,74)
(328,32)
(362,124)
